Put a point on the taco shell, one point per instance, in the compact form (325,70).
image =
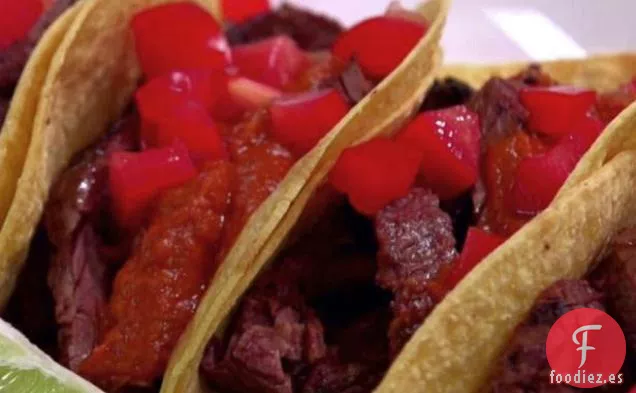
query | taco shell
(16,132)
(381,112)
(455,349)
(87,87)
(450,351)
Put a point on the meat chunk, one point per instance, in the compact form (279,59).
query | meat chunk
(446,93)
(410,306)
(311,32)
(158,289)
(81,193)
(415,238)
(274,333)
(499,108)
(523,366)
(75,217)
(415,242)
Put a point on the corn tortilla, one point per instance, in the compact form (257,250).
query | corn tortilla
(92,77)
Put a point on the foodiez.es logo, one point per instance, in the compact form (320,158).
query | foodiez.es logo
(586,349)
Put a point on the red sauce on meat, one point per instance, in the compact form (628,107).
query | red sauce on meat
(157,291)
(261,164)
(191,229)
(499,171)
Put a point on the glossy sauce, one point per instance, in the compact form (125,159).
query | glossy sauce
(499,171)
(193,226)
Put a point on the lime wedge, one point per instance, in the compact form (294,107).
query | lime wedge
(26,369)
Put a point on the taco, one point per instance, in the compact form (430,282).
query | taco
(28,40)
(383,232)
(226,126)
(491,336)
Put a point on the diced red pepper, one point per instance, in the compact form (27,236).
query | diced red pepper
(300,121)
(539,178)
(375,173)
(194,128)
(448,141)
(17,18)
(479,244)
(554,109)
(136,178)
(275,61)
(179,36)
(379,44)
(168,115)
(237,11)
(205,87)
(250,94)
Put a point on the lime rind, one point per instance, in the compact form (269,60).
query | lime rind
(26,369)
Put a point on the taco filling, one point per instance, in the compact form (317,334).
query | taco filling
(135,228)
(408,217)
(609,287)
(23,24)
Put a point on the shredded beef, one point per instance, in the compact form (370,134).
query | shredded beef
(410,306)
(523,367)
(446,93)
(275,332)
(74,219)
(311,32)
(415,242)
(499,108)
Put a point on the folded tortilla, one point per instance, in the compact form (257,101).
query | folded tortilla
(464,334)
(455,349)
(16,132)
(86,89)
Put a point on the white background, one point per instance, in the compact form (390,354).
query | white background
(504,30)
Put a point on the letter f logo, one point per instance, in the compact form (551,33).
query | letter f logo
(583,345)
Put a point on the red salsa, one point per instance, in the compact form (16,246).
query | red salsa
(224,113)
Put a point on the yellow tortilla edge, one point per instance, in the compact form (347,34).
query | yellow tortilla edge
(86,88)
(600,72)
(457,346)
(384,110)
(17,130)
